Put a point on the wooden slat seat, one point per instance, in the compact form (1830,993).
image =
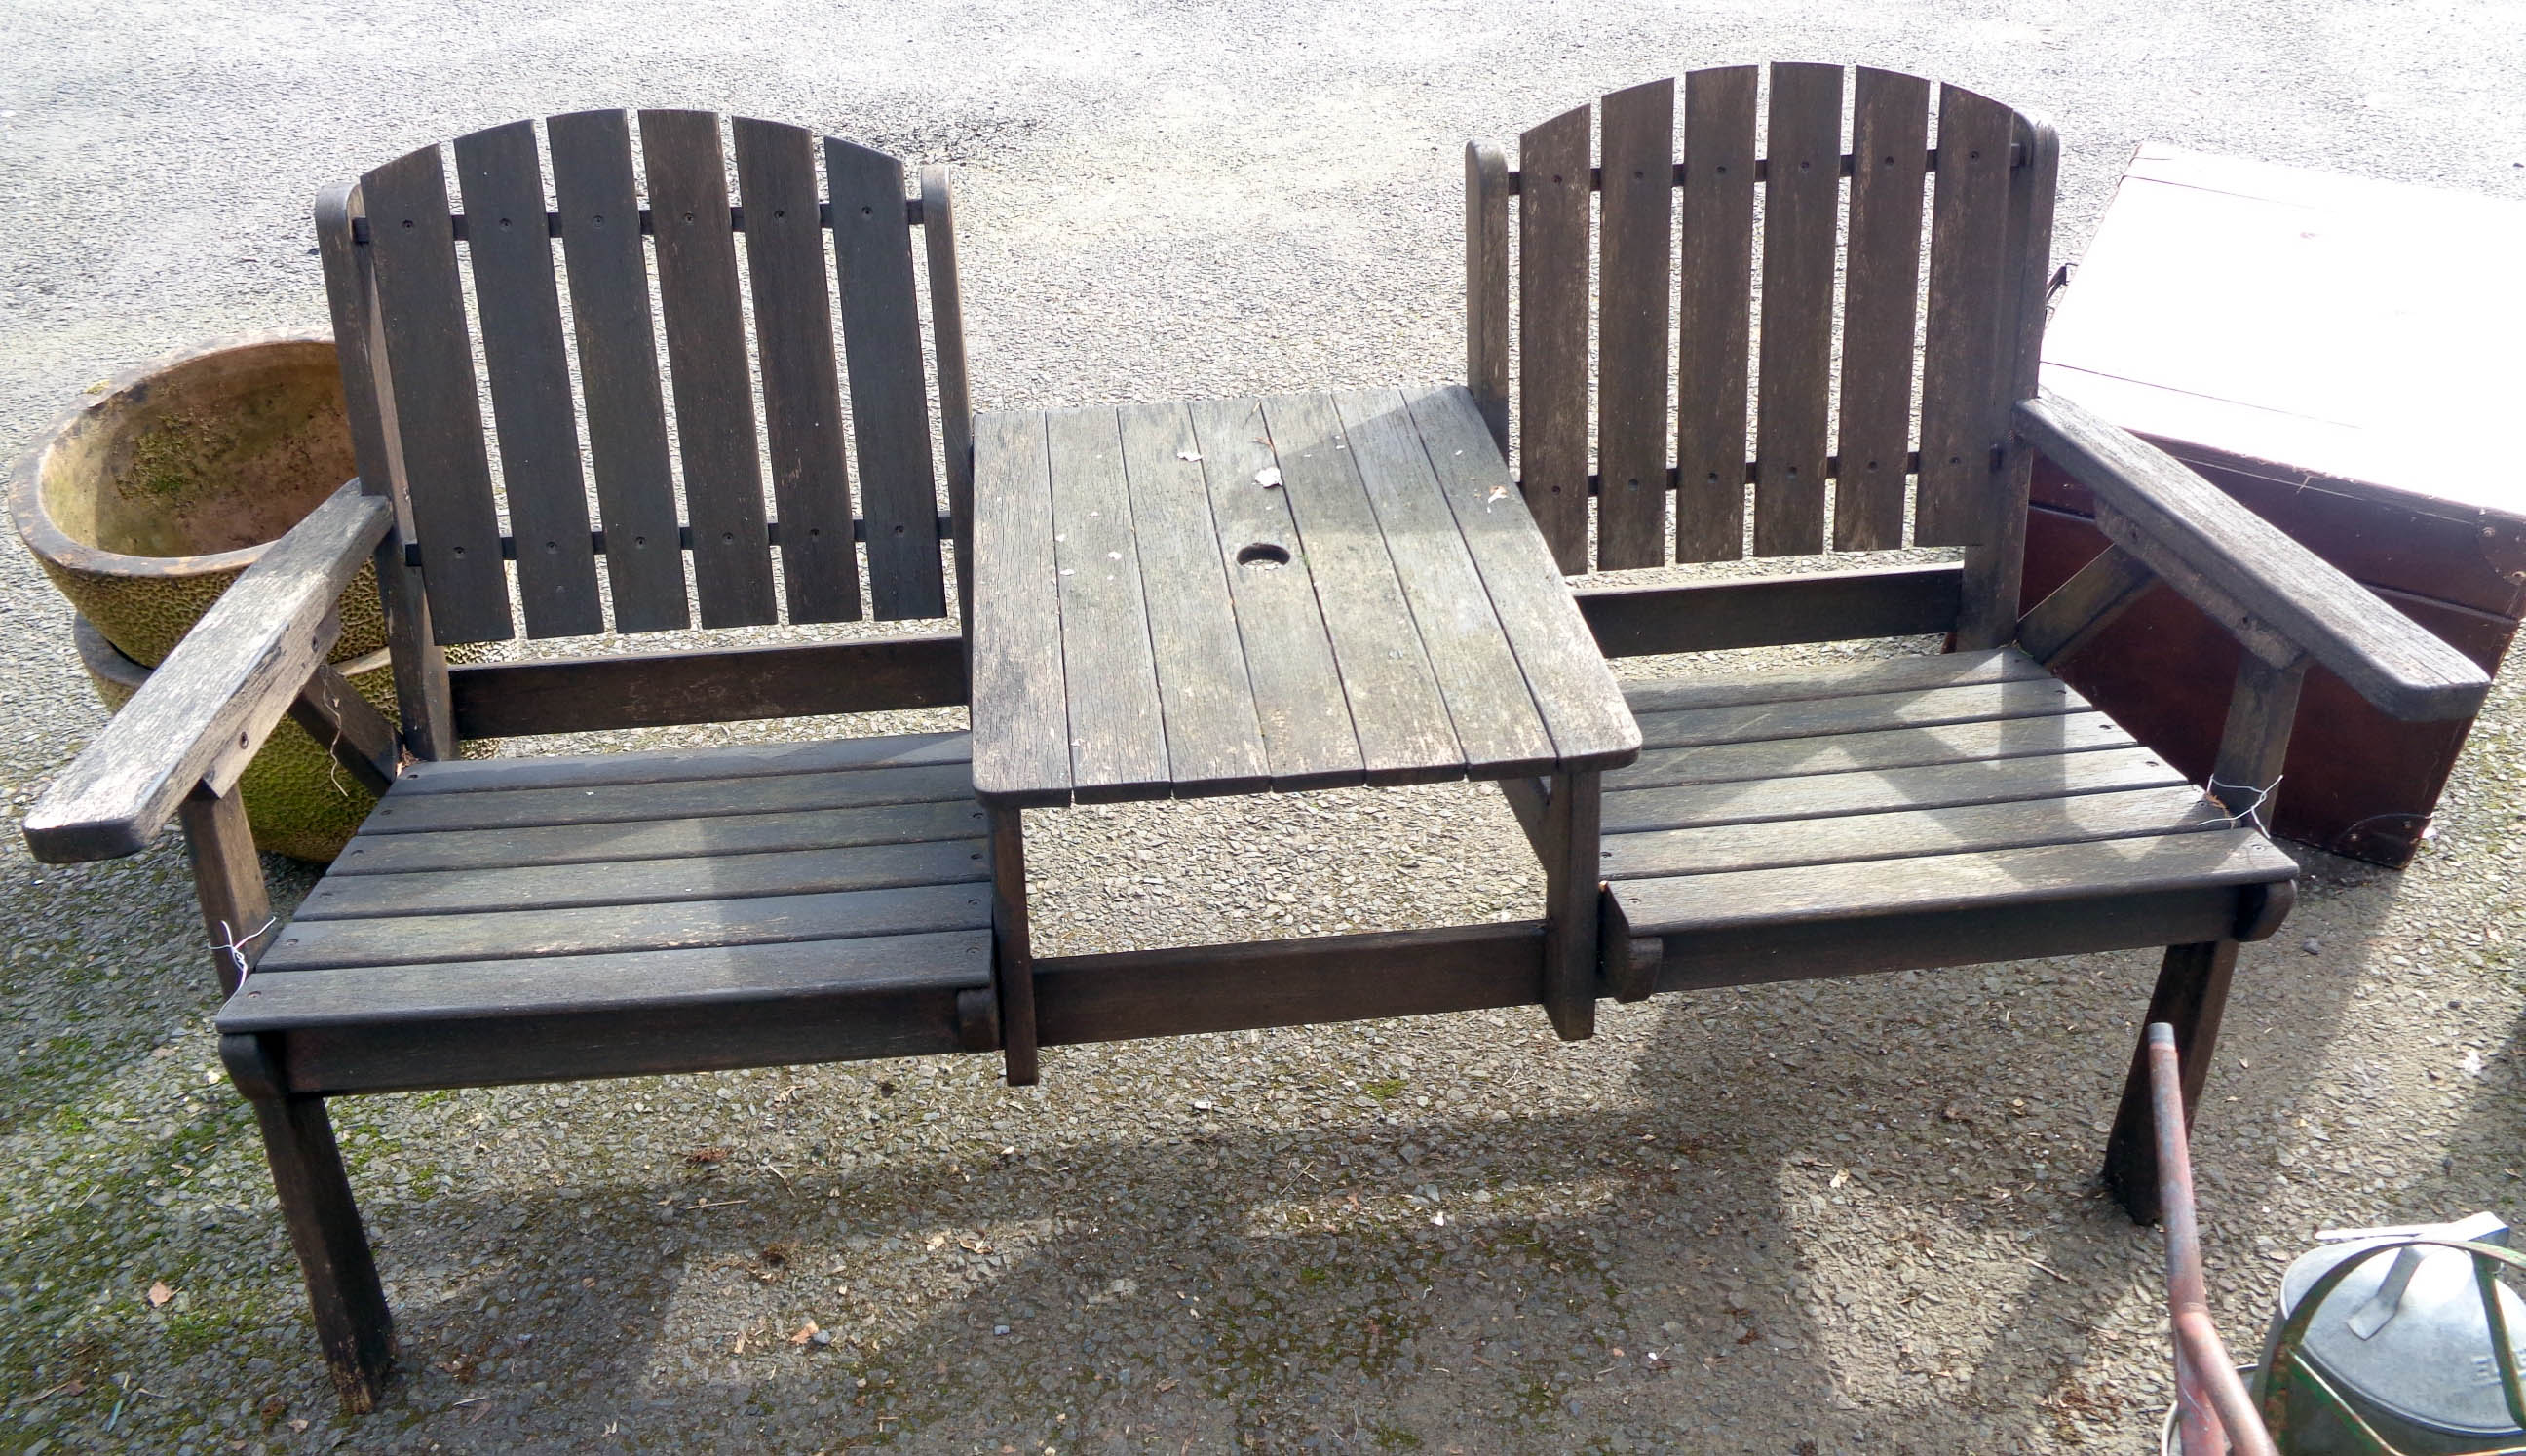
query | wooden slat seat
(530,918)
(1913,812)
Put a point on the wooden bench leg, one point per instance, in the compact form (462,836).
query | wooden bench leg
(1012,947)
(2191,992)
(352,1320)
(1569,845)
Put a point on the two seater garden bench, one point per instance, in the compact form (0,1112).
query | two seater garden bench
(612,915)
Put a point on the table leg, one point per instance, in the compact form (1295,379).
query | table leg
(1012,950)
(1569,845)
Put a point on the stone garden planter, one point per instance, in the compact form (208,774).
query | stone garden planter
(147,500)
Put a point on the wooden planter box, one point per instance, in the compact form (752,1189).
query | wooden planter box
(2335,354)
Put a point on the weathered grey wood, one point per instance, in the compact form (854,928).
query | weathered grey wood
(696,981)
(1994,580)
(1977,934)
(2246,777)
(2384,656)
(889,404)
(618,361)
(507,935)
(1887,748)
(521,808)
(1632,271)
(1305,982)
(785,1028)
(1580,706)
(646,882)
(342,721)
(794,335)
(1012,947)
(1979,702)
(227,880)
(2081,607)
(1880,304)
(353,1324)
(1307,737)
(661,839)
(206,709)
(1486,286)
(438,421)
(597,695)
(1568,847)
(1017,625)
(1961,348)
(1495,721)
(509,250)
(1214,742)
(1118,742)
(1914,673)
(2204,591)
(1909,832)
(1697,904)
(679,765)
(368,402)
(1822,797)
(1397,708)
(1552,216)
(955,398)
(2191,994)
(1769,610)
(1712,325)
(705,328)
(1801,213)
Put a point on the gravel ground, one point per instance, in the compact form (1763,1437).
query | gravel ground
(1830,1216)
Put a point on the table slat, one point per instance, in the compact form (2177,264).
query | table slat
(1022,716)
(1495,719)
(1118,745)
(1395,706)
(1213,739)
(1307,736)
(1584,709)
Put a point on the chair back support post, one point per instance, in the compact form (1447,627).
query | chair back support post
(1996,566)
(368,400)
(956,397)
(1486,286)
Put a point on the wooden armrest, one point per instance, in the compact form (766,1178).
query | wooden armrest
(209,706)
(2207,546)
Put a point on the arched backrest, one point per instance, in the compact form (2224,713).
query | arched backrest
(562,339)
(1714,372)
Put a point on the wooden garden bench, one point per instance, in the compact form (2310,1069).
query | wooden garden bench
(526,920)
(1917,812)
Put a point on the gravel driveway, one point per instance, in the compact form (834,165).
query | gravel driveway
(1799,1219)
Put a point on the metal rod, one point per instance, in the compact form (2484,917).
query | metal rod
(2213,1411)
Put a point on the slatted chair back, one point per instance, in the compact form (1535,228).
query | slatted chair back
(546,293)
(1791,378)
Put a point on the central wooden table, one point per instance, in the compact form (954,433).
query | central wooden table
(1301,591)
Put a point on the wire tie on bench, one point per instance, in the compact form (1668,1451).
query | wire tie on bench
(2218,795)
(235,947)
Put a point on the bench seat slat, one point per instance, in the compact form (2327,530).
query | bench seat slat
(593,883)
(1815,796)
(1858,838)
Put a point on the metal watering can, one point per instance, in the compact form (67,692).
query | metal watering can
(2413,1356)
(2416,1354)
